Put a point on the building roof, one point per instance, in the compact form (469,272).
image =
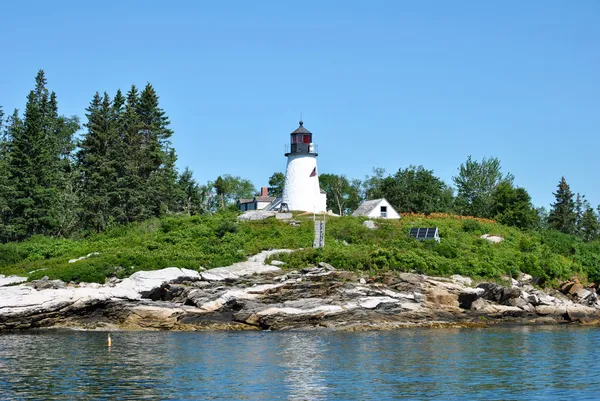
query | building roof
(366,207)
(301,129)
(244,200)
(265,198)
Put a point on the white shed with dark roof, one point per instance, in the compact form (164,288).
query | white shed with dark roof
(377,209)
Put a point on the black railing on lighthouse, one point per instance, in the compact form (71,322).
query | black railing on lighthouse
(309,148)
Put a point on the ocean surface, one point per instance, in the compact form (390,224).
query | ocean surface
(524,363)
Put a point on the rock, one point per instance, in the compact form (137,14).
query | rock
(89,255)
(500,294)
(370,224)
(277,263)
(525,278)
(4,280)
(45,283)
(254,265)
(283,216)
(253,295)
(495,239)
(457,278)
(327,266)
(252,215)
(467,297)
(442,298)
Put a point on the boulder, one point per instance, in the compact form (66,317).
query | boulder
(251,215)
(467,297)
(525,278)
(500,294)
(370,224)
(495,239)
(326,266)
(4,280)
(442,298)
(457,278)
(283,216)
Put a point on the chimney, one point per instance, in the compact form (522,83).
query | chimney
(264,191)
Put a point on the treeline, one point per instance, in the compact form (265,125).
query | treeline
(59,177)
(482,190)
(120,170)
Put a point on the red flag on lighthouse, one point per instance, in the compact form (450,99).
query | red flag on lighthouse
(314,172)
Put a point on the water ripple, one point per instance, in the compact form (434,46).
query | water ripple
(542,363)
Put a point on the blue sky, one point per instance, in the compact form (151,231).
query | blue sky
(380,83)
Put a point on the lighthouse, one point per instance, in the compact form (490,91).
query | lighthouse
(301,189)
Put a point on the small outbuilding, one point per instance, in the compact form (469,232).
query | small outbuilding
(259,202)
(377,209)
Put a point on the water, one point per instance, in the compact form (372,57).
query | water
(526,363)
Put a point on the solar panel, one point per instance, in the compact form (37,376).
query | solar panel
(424,233)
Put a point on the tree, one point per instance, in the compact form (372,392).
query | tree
(590,227)
(4,177)
(563,217)
(190,194)
(579,209)
(40,164)
(99,164)
(343,195)
(415,190)
(229,189)
(276,182)
(512,206)
(371,185)
(475,184)
(159,158)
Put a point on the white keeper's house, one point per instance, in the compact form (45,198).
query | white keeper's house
(377,209)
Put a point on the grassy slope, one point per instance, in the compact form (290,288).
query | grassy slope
(212,241)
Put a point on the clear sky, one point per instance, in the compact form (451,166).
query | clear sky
(380,83)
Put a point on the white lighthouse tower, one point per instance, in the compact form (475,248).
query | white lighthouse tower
(301,189)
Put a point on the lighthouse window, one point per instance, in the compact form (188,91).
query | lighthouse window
(306,138)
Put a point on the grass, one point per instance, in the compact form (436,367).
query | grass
(219,240)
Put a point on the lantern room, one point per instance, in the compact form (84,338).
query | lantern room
(301,141)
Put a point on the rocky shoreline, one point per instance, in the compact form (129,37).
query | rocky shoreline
(254,295)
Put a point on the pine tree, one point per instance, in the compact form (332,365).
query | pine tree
(579,209)
(189,193)
(98,163)
(590,226)
(4,179)
(40,165)
(131,184)
(563,216)
(158,156)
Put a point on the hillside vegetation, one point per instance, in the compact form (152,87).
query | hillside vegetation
(219,240)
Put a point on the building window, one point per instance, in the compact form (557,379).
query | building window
(383,211)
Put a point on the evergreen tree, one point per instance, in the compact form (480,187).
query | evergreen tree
(131,183)
(39,165)
(4,178)
(189,194)
(98,163)
(563,217)
(590,227)
(579,209)
(158,157)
